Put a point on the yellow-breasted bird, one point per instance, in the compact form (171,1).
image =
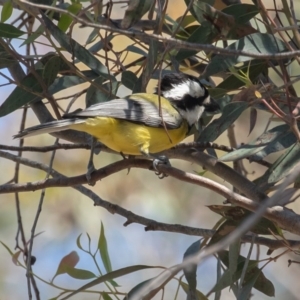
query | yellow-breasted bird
(133,125)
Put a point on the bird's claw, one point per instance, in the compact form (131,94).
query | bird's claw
(91,169)
(160,160)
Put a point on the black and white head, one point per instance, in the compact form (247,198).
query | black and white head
(188,95)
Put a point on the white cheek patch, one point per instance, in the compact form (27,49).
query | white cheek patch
(188,87)
(192,116)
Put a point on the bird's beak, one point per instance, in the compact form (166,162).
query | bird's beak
(212,106)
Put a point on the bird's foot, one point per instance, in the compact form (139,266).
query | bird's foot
(158,161)
(91,169)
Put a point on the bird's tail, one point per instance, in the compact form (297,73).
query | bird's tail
(49,127)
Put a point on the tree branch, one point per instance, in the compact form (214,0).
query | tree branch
(172,42)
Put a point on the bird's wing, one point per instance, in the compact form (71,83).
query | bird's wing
(137,110)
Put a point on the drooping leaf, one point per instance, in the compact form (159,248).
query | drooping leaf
(65,19)
(67,81)
(242,12)
(23,94)
(6,59)
(253,119)
(199,8)
(103,250)
(135,289)
(51,69)
(258,43)
(146,75)
(102,44)
(129,79)
(134,12)
(202,35)
(234,251)
(190,271)
(286,139)
(68,261)
(99,92)
(9,31)
(76,49)
(281,167)
(137,50)
(34,35)
(275,139)
(79,273)
(109,276)
(196,295)
(106,296)
(262,284)
(254,70)
(6,12)
(230,113)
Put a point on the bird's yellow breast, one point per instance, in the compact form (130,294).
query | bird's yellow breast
(132,138)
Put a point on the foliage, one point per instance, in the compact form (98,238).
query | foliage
(245,46)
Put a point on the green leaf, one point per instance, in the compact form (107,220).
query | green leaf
(6,60)
(21,96)
(230,113)
(51,69)
(275,139)
(65,19)
(202,35)
(255,69)
(146,75)
(257,43)
(197,295)
(98,92)
(76,49)
(33,36)
(105,296)
(68,261)
(285,139)
(103,250)
(281,167)
(109,276)
(134,12)
(262,284)
(129,79)
(136,50)
(6,12)
(79,273)
(200,8)
(9,31)
(242,13)
(67,81)
(234,251)
(247,286)
(190,272)
(135,289)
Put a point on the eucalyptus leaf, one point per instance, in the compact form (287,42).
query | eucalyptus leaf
(23,94)
(103,250)
(7,9)
(129,79)
(76,49)
(281,167)
(9,31)
(107,277)
(258,43)
(229,115)
(134,12)
(190,271)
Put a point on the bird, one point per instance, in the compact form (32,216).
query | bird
(142,123)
